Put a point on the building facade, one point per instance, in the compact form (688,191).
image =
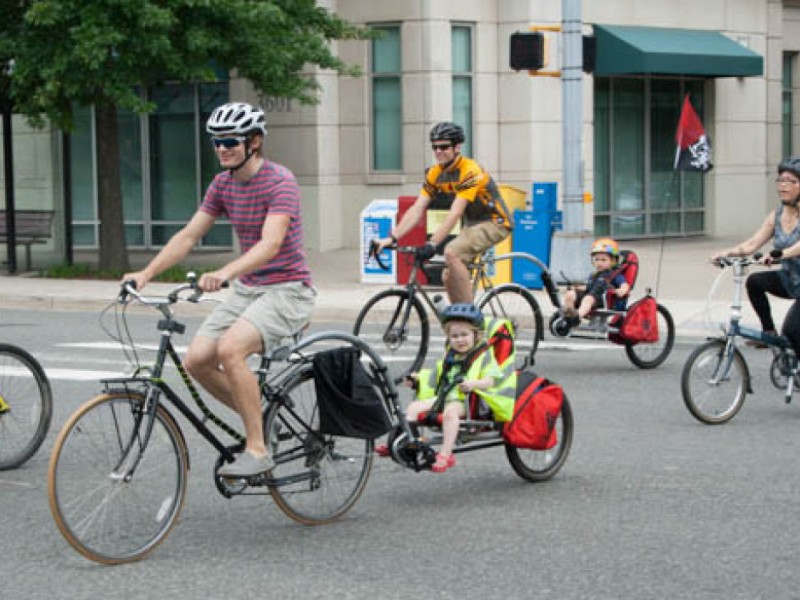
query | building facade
(445,60)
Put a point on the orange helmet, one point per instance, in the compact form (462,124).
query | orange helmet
(607,245)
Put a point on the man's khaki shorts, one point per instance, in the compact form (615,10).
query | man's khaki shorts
(278,311)
(474,240)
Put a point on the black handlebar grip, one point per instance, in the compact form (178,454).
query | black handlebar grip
(375,253)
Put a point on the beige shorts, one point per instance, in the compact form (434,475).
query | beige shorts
(474,240)
(278,311)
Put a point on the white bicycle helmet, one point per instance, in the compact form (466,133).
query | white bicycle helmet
(236,118)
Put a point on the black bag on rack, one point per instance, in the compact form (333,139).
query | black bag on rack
(349,404)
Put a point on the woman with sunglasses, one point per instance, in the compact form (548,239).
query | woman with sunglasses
(782,227)
(471,196)
(272,295)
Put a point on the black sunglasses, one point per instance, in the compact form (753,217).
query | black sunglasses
(228,142)
(436,147)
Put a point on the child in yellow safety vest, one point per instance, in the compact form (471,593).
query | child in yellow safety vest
(470,359)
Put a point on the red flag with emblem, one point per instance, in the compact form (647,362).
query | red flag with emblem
(694,146)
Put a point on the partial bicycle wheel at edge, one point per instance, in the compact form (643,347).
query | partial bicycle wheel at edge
(26,406)
(113,500)
(541,465)
(517,304)
(650,355)
(401,342)
(714,385)
(317,477)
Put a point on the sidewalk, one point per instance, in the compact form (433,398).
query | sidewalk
(680,276)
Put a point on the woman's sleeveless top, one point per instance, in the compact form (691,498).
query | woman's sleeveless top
(790,272)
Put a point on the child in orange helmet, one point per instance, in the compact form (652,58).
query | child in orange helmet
(582,300)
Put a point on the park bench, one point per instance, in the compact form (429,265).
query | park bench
(31,227)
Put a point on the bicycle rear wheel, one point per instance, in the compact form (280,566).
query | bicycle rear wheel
(114,498)
(650,355)
(541,465)
(515,303)
(714,384)
(401,342)
(317,477)
(26,406)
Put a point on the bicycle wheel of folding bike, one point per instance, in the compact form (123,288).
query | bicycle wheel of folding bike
(401,342)
(518,305)
(317,477)
(714,386)
(26,406)
(650,355)
(113,498)
(541,465)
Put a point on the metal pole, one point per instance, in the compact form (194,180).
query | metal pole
(571,246)
(572,103)
(8,171)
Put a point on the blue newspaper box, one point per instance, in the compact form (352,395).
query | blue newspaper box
(533,231)
(377,221)
(545,196)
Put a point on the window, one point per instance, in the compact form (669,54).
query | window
(165,165)
(387,104)
(461,52)
(787,145)
(637,191)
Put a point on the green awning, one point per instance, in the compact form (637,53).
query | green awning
(627,50)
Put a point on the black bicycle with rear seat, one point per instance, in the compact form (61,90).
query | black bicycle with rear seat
(119,468)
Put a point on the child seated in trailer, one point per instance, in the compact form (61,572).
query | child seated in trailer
(606,278)
(468,356)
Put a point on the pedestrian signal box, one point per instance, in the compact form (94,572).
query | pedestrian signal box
(528,51)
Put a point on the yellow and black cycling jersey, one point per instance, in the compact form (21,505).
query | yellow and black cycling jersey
(466,179)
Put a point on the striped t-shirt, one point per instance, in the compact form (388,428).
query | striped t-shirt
(272,190)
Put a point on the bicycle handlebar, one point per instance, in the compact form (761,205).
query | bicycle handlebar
(128,289)
(374,253)
(746,261)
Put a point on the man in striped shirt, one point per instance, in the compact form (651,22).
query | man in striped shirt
(272,296)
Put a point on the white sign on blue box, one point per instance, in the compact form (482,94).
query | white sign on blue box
(377,221)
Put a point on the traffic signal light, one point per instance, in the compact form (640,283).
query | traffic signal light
(527,51)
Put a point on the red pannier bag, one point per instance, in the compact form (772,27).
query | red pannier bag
(641,321)
(536,411)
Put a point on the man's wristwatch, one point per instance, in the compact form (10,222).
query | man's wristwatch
(393,237)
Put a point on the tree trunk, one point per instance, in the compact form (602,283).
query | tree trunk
(113,251)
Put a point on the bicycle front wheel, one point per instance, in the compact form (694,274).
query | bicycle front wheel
(541,465)
(515,303)
(714,382)
(115,493)
(647,355)
(317,477)
(26,406)
(397,328)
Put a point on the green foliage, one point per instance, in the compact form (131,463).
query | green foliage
(74,52)
(174,274)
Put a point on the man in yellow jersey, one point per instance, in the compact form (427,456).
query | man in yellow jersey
(471,195)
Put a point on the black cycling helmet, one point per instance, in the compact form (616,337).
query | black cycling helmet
(447,131)
(791,164)
(463,311)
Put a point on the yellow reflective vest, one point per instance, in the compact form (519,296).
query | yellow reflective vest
(500,397)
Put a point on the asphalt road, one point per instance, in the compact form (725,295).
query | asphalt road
(650,503)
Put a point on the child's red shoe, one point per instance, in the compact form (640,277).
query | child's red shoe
(443,462)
